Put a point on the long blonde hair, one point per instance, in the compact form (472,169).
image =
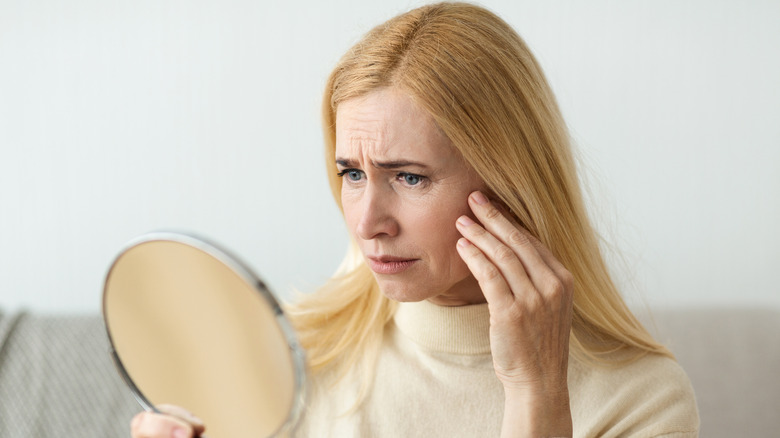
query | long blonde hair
(487,93)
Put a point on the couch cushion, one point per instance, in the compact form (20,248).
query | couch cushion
(57,379)
(732,357)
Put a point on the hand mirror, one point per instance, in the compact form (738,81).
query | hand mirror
(191,325)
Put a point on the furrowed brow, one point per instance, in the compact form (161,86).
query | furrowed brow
(390,165)
(387,165)
(343,162)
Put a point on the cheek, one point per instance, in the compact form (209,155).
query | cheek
(351,213)
(436,226)
(440,238)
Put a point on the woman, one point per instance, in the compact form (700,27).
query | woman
(474,300)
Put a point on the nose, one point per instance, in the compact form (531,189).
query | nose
(377,217)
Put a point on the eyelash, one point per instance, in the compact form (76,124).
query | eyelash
(401,175)
(420,179)
(346,171)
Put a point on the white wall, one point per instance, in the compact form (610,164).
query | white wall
(118,118)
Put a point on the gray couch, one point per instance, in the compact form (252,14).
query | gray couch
(56,379)
(732,357)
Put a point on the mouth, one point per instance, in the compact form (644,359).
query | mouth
(389,264)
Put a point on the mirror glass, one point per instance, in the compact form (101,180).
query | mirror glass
(191,325)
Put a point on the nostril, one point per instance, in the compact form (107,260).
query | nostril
(374,225)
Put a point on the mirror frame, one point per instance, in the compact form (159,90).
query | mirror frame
(250,278)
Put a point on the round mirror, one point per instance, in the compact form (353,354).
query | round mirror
(192,326)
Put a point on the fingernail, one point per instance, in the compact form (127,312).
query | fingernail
(479,198)
(178,432)
(465,221)
(463,242)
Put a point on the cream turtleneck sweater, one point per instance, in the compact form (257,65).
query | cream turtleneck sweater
(435,378)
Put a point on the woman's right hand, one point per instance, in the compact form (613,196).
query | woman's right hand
(173,422)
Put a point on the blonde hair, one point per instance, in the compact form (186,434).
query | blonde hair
(487,93)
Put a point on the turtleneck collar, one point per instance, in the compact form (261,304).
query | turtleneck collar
(454,330)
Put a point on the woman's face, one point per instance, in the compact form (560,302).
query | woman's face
(404,186)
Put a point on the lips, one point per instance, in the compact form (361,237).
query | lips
(388,264)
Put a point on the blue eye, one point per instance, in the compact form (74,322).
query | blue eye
(411,179)
(352,174)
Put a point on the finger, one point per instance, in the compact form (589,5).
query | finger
(154,425)
(565,278)
(500,256)
(178,411)
(546,254)
(543,251)
(542,268)
(491,281)
(511,235)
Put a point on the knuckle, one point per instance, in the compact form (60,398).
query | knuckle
(492,213)
(555,287)
(558,292)
(518,238)
(478,231)
(504,253)
(490,274)
(533,302)
(568,280)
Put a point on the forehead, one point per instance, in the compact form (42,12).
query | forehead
(388,124)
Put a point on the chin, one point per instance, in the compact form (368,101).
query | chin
(402,293)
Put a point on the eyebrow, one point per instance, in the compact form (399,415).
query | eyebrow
(390,165)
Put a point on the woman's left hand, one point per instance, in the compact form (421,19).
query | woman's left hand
(529,294)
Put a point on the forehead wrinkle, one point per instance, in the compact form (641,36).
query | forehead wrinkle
(364,121)
(357,132)
(364,149)
(370,146)
(376,130)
